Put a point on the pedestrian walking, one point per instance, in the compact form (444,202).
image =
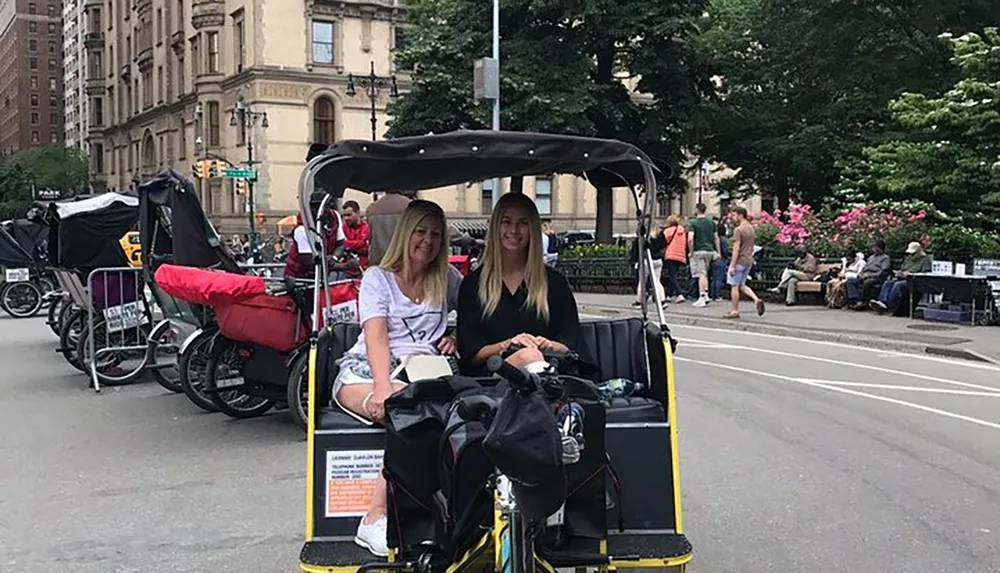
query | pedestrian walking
(704,246)
(676,243)
(744,239)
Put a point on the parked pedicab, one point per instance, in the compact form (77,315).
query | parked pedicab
(109,333)
(457,512)
(23,284)
(255,353)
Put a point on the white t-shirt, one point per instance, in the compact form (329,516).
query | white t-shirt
(301,237)
(413,328)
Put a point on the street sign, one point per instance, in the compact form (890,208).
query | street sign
(250,174)
(486,79)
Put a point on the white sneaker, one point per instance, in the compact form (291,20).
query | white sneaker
(373,537)
(679,299)
(700,303)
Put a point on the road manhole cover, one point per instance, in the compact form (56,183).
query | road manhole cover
(932,327)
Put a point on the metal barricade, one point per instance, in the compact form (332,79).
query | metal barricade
(119,327)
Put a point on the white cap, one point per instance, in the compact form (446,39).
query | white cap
(912,248)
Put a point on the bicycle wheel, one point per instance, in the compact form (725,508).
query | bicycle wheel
(55,312)
(193,364)
(123,365)
(69,335)
(168,375)
(223,381)
(21,300)
(298,390)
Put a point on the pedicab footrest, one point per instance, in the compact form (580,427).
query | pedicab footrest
(335,554)
(647,546)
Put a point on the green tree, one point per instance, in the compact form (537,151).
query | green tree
(949,154)
(53,166)
(803,84)
(562,64)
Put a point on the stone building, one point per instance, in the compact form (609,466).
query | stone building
(30,74)
(167,76)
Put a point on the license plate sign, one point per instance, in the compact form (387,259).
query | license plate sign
(17,275)
(128,315)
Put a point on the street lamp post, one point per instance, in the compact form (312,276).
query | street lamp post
(245,119)
(372,85)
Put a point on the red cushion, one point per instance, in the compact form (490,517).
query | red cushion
(207,287)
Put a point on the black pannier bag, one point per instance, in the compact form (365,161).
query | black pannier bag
(437,471)
(414,426)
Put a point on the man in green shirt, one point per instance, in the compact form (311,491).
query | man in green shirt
(895,290)
(703,244)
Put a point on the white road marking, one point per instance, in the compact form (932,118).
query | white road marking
(849,365)
(920,407)
(995,394)
(882,352)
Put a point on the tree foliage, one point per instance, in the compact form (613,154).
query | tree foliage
(804,84)
(949,154)
(562,65)
(54,166)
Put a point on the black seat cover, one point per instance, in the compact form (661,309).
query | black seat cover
(332,346)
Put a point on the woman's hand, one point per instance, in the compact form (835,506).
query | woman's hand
(546,345)
(448,345)
(525,340)
(376,403)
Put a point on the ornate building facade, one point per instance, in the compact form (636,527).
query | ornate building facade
(165,76)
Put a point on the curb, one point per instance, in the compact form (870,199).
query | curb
(777,330)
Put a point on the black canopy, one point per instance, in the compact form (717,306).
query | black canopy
(431,161)
(86,234)
(172,222)
(31,235)
(12,255)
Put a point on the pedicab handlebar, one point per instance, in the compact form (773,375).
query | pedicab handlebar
(521,380)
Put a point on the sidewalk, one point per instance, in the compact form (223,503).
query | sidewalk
(981,343)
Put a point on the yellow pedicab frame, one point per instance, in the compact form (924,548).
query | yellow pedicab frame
(644,207)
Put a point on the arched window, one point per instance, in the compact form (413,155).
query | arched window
(323,121)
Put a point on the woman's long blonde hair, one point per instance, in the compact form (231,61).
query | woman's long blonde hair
(491,280)
(397,257)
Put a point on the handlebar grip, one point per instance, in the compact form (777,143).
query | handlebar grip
(517,377)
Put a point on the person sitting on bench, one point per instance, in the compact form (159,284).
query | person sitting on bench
(803,268)
(895,289)
(864,287)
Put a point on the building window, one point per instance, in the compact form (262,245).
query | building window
(180,15)
(399,43)
(159,84)
(32,45)
(51,10)
(180,76)
(33,82)
(195,60)
(52,47)
(33,63)
(182,152)
(98,155)
(213,124)
(213,53)
(52,28)
(97,110)
(159,25)
(486,198)
(53,119)
(34,99)
(54,137)
(52,65)
(52,84)
(239,39)
(33,27)
(322,42)
(147,89)
(323,121)
(52,100)
(35,137)
(35,118)
(32,8)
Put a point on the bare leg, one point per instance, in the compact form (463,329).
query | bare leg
(734,294)
(525,356)
(703,285)
(749,293)
(353,397)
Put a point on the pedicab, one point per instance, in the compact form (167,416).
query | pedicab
(115,343)
(23,284)
(174,229)
(450,506)
(256,354)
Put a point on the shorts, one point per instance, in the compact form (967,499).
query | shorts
(739,277)
(354,369)
(701,261)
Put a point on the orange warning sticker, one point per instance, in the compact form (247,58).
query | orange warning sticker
(350,481)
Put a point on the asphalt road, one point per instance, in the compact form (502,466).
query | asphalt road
(796,457)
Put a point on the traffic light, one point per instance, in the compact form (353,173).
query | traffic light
(202,168)
(241,185)
(217,168)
